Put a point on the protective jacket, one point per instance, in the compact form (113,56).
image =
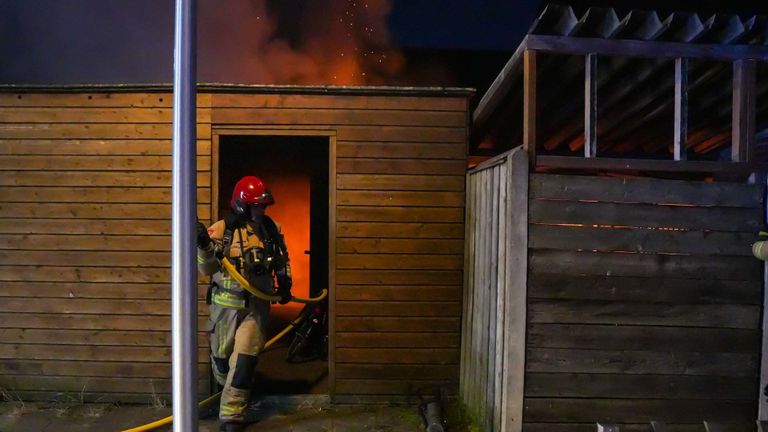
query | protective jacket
(258,252)
(237,320)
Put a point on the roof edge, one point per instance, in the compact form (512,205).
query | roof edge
(242,88)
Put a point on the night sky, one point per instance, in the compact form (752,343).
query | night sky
(278,42)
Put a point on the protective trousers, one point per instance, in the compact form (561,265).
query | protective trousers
(237,338)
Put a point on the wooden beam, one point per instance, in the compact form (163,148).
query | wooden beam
(332,217)
(744,97)
(469,268)
(590,106)
(516,296)
(529,103)
(634,48)
(615,164)
(681,108)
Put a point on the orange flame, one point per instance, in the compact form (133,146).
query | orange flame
(337,42)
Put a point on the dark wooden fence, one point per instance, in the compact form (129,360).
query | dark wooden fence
(644,302)
(492,345)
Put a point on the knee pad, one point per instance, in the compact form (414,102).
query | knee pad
(244,368)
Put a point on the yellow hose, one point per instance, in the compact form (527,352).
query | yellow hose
(169,419)
(240,279)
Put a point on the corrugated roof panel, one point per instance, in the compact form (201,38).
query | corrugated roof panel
(639,24)
(598,23)
(756,31)
(722,29)
(682,27)
(555,20)
(646,25)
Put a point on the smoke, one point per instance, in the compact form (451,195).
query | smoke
(308,42)
(342,42)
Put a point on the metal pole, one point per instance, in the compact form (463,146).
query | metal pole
(184,262)
(762,398)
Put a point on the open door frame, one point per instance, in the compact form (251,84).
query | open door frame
(217,133)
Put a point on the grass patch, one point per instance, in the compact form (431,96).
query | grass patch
(460,418)
(16,403)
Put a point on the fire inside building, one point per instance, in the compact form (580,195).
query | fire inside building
(571,248)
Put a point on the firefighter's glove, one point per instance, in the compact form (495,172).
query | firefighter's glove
(283,281)
(203,239)
(285,295)
(760,247)
(284,284)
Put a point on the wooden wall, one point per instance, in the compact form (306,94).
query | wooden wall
(85,246)
(644,303)
(84,242)
(399,230)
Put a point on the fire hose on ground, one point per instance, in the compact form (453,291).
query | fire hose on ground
(258,294)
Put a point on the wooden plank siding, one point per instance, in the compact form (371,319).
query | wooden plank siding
(400,166)
(637,309)
(85,242)
(85,187)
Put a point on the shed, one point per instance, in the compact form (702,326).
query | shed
(85,216)
(609,274)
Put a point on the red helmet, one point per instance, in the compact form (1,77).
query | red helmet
(250,190)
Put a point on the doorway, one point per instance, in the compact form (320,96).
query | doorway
(296,170)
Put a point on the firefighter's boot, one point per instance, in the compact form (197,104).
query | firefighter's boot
(232,427)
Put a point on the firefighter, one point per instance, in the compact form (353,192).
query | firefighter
(237,322)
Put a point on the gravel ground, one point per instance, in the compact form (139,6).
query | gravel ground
(305,417)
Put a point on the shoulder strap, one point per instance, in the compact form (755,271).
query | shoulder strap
(274,234)
(230,225)
(271,227)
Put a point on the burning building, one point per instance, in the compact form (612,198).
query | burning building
(370,180)
(369,188)
(606,269)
